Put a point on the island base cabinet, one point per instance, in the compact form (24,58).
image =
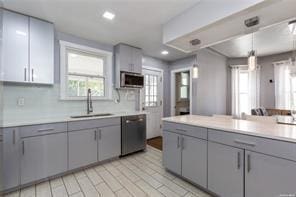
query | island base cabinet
(83,146)
(226,170)
(43,156)
(194,160)
(172,152)
(109,145)
(267,176)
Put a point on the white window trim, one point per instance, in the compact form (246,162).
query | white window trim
(108,69)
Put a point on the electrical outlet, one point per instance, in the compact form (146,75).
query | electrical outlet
(21,101)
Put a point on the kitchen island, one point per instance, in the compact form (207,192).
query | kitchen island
(232,158)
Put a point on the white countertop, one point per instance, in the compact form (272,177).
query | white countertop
(65,119)
(260,129)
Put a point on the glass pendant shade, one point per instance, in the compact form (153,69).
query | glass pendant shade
(292,27)
(252,60)
(195,71)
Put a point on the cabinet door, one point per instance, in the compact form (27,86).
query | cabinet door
(109,142)
(83,146)
(137,60)
(225,170)
(267,176)
(11,154)
(43,156)
(125,58)
(15,45)
(172,152)
(41,51)
(194,160)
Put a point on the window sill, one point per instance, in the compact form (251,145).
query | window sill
(85,98)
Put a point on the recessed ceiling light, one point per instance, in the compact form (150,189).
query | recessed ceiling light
(108,15)
(164,52)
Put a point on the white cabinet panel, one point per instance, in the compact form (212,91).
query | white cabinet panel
(194,160)
(11,154)
(225,170)
(15,47)
(267,176)
(41,51)
(172,151)
(109,142)
(83,147)
(43,156)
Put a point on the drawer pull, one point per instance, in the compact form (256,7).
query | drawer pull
(23,147)
(238,160)
(178,143)
(13,136)
(245,143)
(45,130)
(182,143)
(181,130)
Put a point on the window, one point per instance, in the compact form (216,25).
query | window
(244,101)
(151,93)
(84,68)
(184,86)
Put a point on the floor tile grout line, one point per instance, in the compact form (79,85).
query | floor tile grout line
(79,184)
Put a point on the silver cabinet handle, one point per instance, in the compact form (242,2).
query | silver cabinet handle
(127,121)
(248,162)
(182,143)
(32,74)
(178,143)
(100,134)
(45,130)
(25,74)
(95,132)
(141,119)
(238,160)
(245,143)
(23,147)
(13,136)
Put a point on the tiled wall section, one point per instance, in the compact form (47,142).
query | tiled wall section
(44,102)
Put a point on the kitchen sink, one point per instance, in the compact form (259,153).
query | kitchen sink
(92,115)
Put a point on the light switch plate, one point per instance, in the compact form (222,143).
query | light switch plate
(21,101)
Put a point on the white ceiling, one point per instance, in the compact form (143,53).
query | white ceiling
(269,41)
(137,22)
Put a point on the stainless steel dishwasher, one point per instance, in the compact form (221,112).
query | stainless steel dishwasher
(133,134)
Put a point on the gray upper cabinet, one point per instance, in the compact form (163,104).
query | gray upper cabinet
(41,51)
(15,48)
(43,156)
(32,62)
(172,157)
(128,58)
(194,160)
(83,145)
(267,176)
(109,145)
(225,170)
(11,154)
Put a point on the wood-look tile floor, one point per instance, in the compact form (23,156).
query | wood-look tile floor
(141,174)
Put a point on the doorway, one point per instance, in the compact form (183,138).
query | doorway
(152,100)
(181,94)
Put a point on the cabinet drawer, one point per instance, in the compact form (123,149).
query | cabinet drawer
(95,123)
(257,144)
(184,129)
(43,129)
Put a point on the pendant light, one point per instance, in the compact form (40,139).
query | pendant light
(195,69)
(292,27)
(252,58)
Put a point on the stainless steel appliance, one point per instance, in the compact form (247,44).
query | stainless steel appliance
(133,134)
(131,80)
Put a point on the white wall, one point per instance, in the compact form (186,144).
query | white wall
(209,91)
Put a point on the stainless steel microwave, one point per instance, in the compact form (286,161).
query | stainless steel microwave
(131,80)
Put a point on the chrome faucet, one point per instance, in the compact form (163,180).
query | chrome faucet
(89,102)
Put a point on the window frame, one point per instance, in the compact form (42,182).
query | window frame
(185,86)
(107,56)
(244,71)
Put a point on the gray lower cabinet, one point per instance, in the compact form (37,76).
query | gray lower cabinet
(83,147)
(11,154)
(172,152)
(194,160)
(43,156)
(109,145)
(267,176)
(225,170)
